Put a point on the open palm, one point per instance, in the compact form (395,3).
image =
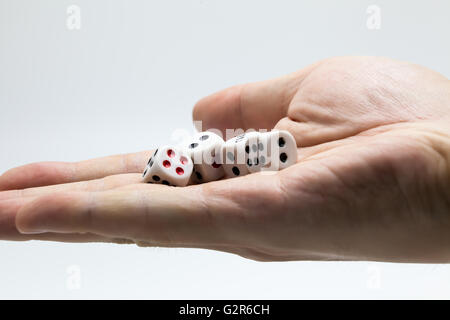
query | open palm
(372,181)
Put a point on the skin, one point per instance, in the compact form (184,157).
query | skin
(372,181)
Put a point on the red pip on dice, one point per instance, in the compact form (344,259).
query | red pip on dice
(207,157)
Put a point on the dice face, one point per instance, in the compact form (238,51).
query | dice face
(170,166)
(204,150)
(282,148)
(267,151)
(236,155)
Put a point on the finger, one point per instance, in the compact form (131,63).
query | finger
(64,237)
(124,214)
(103,184)
(258,105)
(49,173)
(196,215)
(8,230)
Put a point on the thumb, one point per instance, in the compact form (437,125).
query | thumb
(258,105)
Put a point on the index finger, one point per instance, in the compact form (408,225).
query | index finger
(50,173)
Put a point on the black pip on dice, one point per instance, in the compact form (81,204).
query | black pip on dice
(235,154)
(272,151)
(208,158)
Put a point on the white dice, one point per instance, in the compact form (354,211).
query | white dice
(282,149)
(204,150)
(272,151)
(254,152)
(170,166)
(208,158)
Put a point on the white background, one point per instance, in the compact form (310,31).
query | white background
(130,77)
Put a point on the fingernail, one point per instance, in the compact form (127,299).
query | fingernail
(31,231)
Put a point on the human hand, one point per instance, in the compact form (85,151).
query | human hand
(372,180)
